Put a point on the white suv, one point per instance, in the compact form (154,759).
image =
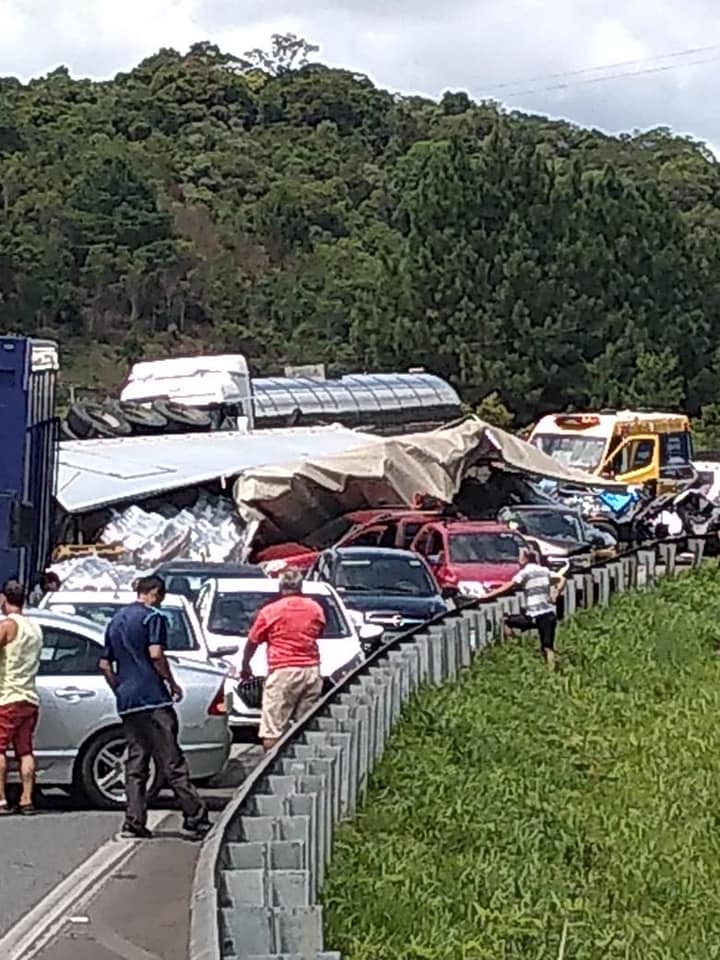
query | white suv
(185,635)
(227,607)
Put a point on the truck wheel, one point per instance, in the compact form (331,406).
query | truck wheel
(100,773)
(66,433)
(95,420)
(181,419)
(142,420)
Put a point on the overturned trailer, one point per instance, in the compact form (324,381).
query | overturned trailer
(470,463)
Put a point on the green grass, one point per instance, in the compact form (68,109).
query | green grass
(516,803)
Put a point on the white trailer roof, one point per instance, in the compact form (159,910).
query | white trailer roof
(97,473)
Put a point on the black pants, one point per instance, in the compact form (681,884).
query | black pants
(545,625)
(154,734)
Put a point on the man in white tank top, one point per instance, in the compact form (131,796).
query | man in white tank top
(20,646)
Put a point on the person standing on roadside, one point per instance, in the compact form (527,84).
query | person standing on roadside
(137,671)
(291,626)
(540,590)
(49,583)
(20,646)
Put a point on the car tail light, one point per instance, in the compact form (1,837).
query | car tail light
(218,707)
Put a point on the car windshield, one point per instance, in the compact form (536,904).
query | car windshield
(552,525)
(232,614)
(384,575)
(180,636)
(572,449)
(484,547)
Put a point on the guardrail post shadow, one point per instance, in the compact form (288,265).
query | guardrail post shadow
(632,572)
(601,578)
(647,562)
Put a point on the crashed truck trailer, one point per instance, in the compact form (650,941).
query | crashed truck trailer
(289,484)
(221,395)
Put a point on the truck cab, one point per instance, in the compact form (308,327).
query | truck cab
(220,385)
(628,446)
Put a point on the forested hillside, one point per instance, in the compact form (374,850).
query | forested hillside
(299,214)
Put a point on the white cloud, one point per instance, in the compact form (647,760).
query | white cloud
(489,47)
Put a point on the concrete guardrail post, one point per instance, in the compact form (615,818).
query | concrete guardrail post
(601,577)
(668,556)
(647,561)
(277,838)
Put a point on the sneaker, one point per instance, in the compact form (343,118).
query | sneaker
(197,829)
(129,832)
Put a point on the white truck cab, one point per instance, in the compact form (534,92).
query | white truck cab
(220,383)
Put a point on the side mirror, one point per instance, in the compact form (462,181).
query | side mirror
(370,635)
(449,593)
(225,652)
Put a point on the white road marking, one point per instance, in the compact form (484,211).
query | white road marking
(43,921)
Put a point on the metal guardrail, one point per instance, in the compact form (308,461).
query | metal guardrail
(260,870)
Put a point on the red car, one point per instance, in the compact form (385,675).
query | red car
(469,557)
(385,527)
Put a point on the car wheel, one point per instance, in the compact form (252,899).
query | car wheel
(100,774)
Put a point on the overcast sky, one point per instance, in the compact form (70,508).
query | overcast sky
(507,49)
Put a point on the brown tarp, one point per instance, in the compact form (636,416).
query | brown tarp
(295,499)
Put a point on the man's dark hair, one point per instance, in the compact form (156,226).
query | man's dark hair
(144,585)
(49,578)
(291,580)
(531,555)
(14,593)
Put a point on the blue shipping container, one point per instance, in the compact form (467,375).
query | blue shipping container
(28,456)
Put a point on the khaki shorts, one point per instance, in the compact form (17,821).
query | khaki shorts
(288,694)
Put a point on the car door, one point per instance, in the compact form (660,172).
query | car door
(75,700)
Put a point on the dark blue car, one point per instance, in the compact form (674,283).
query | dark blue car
(392,588)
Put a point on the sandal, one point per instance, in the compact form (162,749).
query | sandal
(4,808)
(26,809)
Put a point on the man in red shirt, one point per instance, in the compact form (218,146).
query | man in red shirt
(291,627)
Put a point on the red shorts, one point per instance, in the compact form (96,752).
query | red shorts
(17,726)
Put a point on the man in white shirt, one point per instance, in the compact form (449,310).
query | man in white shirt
(540,590)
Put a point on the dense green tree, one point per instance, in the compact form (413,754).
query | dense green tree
(266,203)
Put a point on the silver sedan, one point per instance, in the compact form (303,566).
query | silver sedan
(79,739)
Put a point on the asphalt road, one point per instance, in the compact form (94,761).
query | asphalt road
(38,853)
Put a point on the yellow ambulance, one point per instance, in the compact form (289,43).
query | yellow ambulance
(629,446)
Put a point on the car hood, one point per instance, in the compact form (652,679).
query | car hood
(560,548)
(381,605)
(335,652)
(485,572)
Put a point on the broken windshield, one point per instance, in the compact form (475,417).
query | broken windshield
(572,449)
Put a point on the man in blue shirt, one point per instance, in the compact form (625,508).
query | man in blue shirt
(136,669)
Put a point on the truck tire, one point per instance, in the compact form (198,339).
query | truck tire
(88,420)
(66,433)
(143,420)
(181,419)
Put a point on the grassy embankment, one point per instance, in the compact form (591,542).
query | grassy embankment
(524,815)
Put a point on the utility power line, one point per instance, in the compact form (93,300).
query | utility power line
(613,76)
(579,73)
